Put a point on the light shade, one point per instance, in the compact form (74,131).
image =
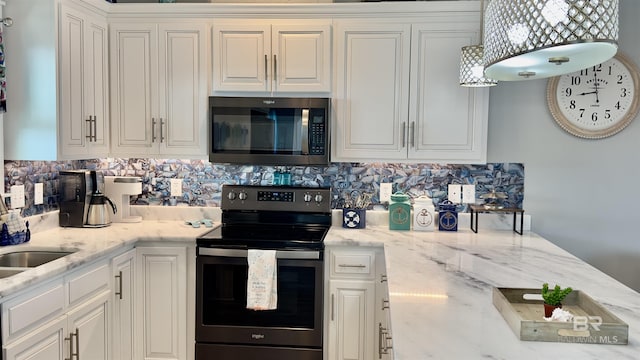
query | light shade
(472,67)
(533,39)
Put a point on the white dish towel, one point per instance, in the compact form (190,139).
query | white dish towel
(262,280)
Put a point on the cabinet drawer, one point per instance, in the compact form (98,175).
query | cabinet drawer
(347,263)
(87,282)
(31,309)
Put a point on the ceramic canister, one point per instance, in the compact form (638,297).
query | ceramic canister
(447,216)
(400,212)
(423,214)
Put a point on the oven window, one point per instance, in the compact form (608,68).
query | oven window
(224,300)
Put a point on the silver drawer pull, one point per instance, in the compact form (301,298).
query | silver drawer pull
(358,266)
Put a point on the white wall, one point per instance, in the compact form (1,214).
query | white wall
(583,195)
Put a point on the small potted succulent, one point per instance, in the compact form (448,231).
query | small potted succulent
(553,298)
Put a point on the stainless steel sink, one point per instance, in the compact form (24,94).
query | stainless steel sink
(9,272)
(30,258)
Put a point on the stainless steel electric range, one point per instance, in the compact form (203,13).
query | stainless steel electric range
(291,220)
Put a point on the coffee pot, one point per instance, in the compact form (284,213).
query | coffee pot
(100,208)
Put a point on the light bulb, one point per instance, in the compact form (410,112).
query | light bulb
(555,11)
(518,34)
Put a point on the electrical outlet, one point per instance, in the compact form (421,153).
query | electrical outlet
(176,187)
(385,192)
(454,193)
(468,194)
(17,196)
(38,194)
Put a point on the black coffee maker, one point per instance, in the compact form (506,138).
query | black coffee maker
(81,195)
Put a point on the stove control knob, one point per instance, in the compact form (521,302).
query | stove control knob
(307,197)
(318,198)
(231,196)
(242,195)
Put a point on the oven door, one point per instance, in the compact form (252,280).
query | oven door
(221,300)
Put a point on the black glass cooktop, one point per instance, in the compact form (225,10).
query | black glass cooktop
(264,236)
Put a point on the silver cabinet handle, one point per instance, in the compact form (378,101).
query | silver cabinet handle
(266,69)
(153,130)
(95,128)
(88,121)
(77,343)
(161,130)
(119,292)
(358,266)
(383,341)
(332,306)
(404,134)
(275,68)
(412,134)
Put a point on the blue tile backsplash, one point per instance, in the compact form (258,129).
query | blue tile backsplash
(202,180)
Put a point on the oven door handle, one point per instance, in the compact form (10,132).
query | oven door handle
(241,253)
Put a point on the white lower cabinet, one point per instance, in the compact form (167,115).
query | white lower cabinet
(123,299)
(352,324)
(46,343)
(162,303)
(67,318)
(356,298)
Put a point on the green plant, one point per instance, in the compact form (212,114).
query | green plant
(555,296)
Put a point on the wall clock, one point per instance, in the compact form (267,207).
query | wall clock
(598,101)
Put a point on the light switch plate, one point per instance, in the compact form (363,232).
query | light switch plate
(468,194)
(176,187)
(385,192)
(17,196)
(454,193)
(38,194)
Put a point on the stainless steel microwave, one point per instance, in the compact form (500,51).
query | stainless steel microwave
(269,130)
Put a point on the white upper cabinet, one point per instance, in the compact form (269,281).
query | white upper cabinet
(262,56)
(398,96)
(58,87)
(84,85)
(447,122)
(371,101)
(159,89)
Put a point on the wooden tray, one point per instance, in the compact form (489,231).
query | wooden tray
(593,324)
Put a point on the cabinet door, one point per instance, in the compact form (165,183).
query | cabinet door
(241,57)
(83,99)
(183,89)
(163,293)
(448,122)
(123,300)
(134,69)
(371,100)
(301,56)
(89,324)
(351,320)
(96,80)
(48,342)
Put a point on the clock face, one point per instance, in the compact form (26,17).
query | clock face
(598,101)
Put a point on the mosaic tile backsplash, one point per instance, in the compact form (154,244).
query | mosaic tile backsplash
(202,180)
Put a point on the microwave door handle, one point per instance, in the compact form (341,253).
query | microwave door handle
(241,253)
(305,132)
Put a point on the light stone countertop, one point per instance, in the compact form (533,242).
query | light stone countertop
(441,283)
(90,244)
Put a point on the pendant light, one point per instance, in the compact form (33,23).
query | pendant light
(534,39)
(472,61)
